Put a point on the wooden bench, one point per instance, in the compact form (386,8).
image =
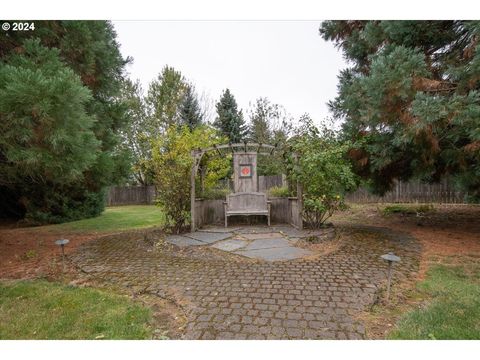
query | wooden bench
(247,203)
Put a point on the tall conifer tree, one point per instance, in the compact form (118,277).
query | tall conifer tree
(190,112)
(229,119)
(411,99)
(60,116)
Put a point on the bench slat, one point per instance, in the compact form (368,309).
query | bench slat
(252,212)
(247,203)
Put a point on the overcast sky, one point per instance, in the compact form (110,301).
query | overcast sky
(285,61)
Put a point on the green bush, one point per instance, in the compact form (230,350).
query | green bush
(216,194)
(171,165)
(59,208)
(408,209)
(317,209)
(279,191)
(323,170)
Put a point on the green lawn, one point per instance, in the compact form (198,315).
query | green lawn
(453,311)
(43,310)
(117,218)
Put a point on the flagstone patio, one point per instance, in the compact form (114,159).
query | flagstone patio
(259,242)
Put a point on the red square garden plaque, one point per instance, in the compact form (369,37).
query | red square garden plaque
(245,170)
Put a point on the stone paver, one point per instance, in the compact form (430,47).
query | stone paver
(274,253)
(209,237)
(267,244)
(270,235)
(293,240)
(295,233)
(255,230)
(230,245)
(290,231)
(248,241)
(218,230)
(183,241)
(315,298)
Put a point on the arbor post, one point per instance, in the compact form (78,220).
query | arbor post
(299,200)
(192,192)
(300,205)
(299,197)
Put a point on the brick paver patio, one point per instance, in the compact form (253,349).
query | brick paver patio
(315,298)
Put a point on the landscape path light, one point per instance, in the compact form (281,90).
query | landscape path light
(62,243)
(390,258)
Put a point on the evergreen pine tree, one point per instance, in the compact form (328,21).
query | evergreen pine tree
(229,119)
(190,112)
(411,99)
(45,127)
(60,117)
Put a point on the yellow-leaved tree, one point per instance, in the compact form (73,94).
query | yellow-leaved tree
(171,165)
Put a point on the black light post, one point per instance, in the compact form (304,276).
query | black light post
(390,258)
(62,243)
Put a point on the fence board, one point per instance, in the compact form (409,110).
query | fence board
(412,191)
(267,182)
(130,195)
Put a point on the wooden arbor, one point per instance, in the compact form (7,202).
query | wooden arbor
(240,151)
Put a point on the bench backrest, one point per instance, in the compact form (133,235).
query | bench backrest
(244,201)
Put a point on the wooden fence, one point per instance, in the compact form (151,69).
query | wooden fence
(130,195)
(412,191)
(267,182)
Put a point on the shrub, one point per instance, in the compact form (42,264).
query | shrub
(317,209)
(216,193)
(279,191)
(324,172)
(171,164)
(80,204)
(408,209)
